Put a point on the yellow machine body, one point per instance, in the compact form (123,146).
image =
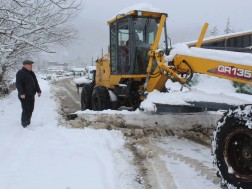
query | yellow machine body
(156,70)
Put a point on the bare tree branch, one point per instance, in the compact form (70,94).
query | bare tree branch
(32,25)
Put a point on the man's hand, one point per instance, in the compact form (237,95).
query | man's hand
(22,96)
(39,94)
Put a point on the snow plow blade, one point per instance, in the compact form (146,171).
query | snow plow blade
(194,126)
(200,106)
(148,120)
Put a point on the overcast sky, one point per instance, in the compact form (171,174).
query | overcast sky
(185,19)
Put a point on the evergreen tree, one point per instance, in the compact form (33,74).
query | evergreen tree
(214,31)
(228,28)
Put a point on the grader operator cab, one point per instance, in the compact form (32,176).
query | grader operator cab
(135,66)
(123,71)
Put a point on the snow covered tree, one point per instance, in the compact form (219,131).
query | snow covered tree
(228,28)
(29,26)
(243,88)
(214,31)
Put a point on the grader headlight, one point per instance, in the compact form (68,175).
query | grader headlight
(159,54)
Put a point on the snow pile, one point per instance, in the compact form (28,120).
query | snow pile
(179,48)
(82,80)
(109,112)
(148,106)
(174,98)
(208,84)
(205,90)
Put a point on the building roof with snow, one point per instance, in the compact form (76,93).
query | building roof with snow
(240,42)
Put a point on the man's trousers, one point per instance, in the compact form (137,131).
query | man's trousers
(27,109)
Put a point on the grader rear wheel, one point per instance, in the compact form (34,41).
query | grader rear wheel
(232,147)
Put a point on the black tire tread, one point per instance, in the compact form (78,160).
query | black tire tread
(101,96)
(86,96)
(231,121)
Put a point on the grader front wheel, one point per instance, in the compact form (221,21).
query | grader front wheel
(100,99)
(86,96)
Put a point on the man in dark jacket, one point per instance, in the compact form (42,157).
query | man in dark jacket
(27,86)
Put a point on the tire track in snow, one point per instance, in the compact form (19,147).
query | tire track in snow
(67,93)
(209,173)
(152,170)
(154,162)
(195,156)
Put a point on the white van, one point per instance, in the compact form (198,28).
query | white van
(89,70)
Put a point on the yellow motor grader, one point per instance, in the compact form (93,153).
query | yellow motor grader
(135,66)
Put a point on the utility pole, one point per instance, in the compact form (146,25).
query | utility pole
(92,60)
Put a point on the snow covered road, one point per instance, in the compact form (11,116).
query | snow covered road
(52,156)
(46,155)
(157,155)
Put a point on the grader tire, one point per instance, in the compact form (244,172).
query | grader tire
(100,99)
(232,148)
(86,97)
